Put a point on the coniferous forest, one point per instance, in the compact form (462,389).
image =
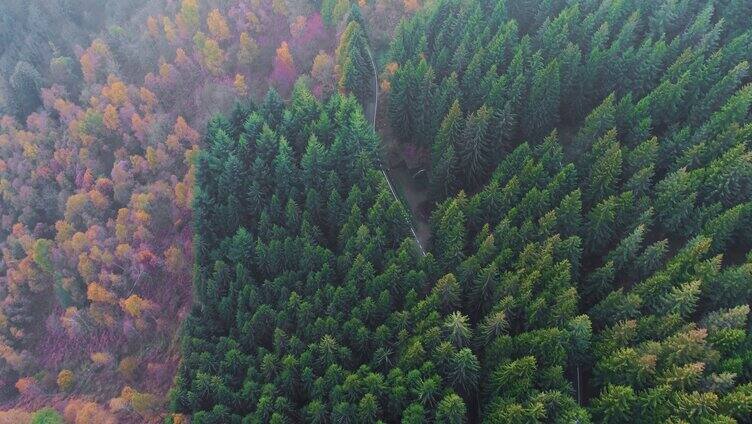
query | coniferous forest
(375,211)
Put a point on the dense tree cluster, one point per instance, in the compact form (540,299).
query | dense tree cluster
(606,296)
(38,40)
(586,266)
(475,78)
(95,250)
(602,257)
(591,180)
(96,179)
(312,303)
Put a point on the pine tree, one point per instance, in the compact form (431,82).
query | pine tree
(413,89)
(25,85)
(475,147)
(451,410)
(542,111)
(445,170)
(354,63)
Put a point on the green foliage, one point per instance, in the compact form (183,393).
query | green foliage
(25,85)
(46,416)
(411,105)
(305,304)
(589,261)
(592,259)
(355,62)
(541,65)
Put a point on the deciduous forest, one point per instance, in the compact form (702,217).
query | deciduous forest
(375,211)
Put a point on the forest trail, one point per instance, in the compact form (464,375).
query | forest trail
(423,234)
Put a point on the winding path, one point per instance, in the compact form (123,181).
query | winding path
(371,111)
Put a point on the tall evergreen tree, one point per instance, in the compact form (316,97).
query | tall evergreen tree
(356,73)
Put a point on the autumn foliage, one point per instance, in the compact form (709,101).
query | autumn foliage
(96,193)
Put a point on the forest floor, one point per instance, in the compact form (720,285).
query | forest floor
(405,187)
(415,193)
(411,183)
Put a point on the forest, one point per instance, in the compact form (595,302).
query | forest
(375,211)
